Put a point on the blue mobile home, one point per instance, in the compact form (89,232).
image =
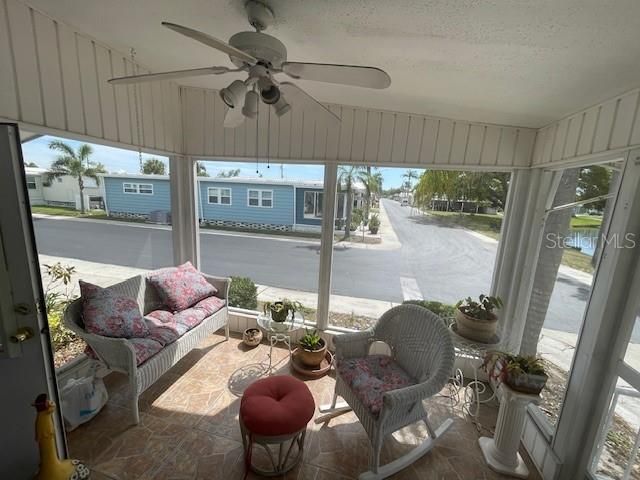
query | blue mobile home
(228,202)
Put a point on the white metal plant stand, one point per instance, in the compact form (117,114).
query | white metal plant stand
(471,352)
(279,332)
(501,451)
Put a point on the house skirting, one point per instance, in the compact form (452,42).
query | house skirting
(136,216)
(247,225)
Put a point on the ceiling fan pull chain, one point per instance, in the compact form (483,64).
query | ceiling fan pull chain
(268,137)
(257,133)
(132,52)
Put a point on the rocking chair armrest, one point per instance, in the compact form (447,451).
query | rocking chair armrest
(350,345)
(412,394)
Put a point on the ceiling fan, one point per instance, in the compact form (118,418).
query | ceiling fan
(263,56)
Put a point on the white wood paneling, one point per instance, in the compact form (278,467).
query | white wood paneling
(363,136)
(612,125)
(52,76)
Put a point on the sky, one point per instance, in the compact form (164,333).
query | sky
(118,160)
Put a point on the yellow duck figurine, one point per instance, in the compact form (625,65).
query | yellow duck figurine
(51,467)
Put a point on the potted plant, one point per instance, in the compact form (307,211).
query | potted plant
(280,310)
(521,373)
(374,224)
(477,320)
(313,349)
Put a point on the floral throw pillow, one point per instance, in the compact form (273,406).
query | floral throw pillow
(111,314)
(181,287)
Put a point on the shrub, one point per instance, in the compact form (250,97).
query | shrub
(357,216)
(60,335)
(243,293)
(374,222)
(439,308)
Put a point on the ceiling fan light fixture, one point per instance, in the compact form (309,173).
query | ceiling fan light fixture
(281,106)
(233,94)
(269,92)
(250,108)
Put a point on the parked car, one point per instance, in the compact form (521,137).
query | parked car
(404,202)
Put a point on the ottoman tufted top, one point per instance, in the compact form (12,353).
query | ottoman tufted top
(279,405)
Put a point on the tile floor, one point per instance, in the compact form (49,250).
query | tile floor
(189,428)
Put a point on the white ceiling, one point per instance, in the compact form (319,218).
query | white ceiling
(515,62)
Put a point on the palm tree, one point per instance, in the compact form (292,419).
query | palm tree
(153,166)
(347,177)
(75,163)
(372,184)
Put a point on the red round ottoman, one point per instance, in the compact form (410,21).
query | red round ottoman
(275,411)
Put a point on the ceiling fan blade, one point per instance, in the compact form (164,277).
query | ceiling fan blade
(369,77)
(234,117)
(152,77)
(299,97)
(212,42)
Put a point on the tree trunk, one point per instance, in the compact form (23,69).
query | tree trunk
(349,204)
(83,208)
(551,251)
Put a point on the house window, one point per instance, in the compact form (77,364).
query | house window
(219,196)
(312,204)
(260,198)
(31,183)
(139,188)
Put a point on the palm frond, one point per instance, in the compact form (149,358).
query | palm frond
(62,147)
(84,151)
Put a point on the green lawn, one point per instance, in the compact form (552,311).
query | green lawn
(586,221)
(66,211)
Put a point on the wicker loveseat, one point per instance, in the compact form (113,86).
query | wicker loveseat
(118,354)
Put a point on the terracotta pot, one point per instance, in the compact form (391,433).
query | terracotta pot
(475,329)
(313,358)
(252,337)
(526,382)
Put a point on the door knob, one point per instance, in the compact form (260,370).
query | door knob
(22,334)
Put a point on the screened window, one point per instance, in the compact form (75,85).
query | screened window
(139,188)
(260,198)
(313,204)
(31,183)
(219,196)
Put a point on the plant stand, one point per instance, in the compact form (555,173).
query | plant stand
(501,452)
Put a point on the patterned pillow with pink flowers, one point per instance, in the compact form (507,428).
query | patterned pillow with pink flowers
(111,314)
(181,287)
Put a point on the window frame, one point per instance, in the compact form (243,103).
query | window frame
(316,202)
(32,181)
(219,196)
(137,187)
(260,198)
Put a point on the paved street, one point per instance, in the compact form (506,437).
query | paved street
(435,262)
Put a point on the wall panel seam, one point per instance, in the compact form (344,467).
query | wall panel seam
(38,67)
(634,120)
(84,108)
(56,29)
(95,67)
(13,59)
(613,123)
(595,129)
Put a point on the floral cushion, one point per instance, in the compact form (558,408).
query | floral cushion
(190,317)
(145,348)
(159,317)
(107,313)
(181,287)
(370,377)
(210,305)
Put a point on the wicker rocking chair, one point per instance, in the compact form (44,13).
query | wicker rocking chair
(385,392)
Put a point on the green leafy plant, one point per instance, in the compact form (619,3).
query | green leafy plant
(374,223)
(57,295)
(357,216)
(481,310)
(60,335)
(499,364)
(311,340)
(281,309)
(441,309)
(243,293)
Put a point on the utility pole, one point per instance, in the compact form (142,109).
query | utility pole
(282,170)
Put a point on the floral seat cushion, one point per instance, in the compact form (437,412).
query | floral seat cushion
(181,287)
(210,305)
(110,314)
(370,377)
(163,328)
(189,318)
(144,348)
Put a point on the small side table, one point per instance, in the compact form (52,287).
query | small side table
(279,332)
(501,451)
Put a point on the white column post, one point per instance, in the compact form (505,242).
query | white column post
(326,244)
(501,451)
(184,210)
